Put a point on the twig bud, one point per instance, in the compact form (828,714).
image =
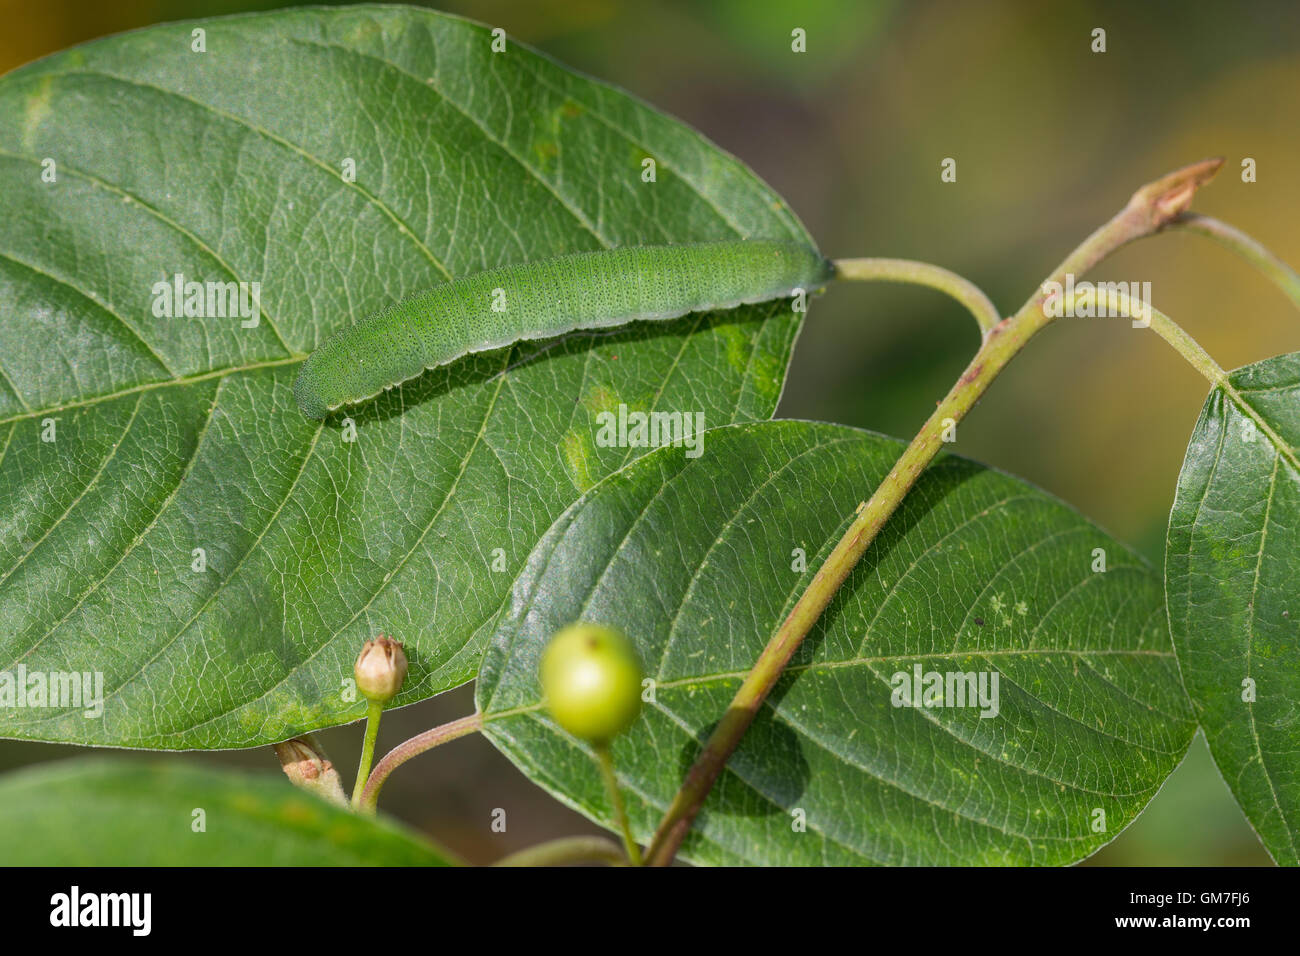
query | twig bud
(1162,201)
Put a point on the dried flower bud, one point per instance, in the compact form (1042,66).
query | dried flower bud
(381,669)
(305,764)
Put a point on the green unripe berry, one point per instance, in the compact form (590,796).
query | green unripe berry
(592,680)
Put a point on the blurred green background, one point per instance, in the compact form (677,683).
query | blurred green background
(1050,139)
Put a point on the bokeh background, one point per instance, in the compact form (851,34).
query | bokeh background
(1050,139)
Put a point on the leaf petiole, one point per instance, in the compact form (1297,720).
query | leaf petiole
(412,748)
(923,273)
(1253,251)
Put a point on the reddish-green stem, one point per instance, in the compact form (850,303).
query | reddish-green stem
(412,748)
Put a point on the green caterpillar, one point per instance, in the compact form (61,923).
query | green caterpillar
(544,299)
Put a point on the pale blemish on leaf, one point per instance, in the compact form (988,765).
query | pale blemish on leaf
(545,150)
(244,803)
(37,110)
(739,345)
(364,30)
(299,815)
(766,374)
(577,451)
(600,399)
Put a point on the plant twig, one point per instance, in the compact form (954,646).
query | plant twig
(922,273)
(1151,208)
(1283,276)
(412,748)
(568,850)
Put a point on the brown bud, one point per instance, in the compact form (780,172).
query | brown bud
(305,764)
(1164,200)
(381,669)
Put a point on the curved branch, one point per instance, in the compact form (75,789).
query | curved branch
(923,273)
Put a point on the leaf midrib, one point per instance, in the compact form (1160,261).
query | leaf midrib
(151,386)
(1250,646)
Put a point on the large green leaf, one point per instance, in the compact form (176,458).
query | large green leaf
(97,812)
(977,572)
(175,434)
(1232,574)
